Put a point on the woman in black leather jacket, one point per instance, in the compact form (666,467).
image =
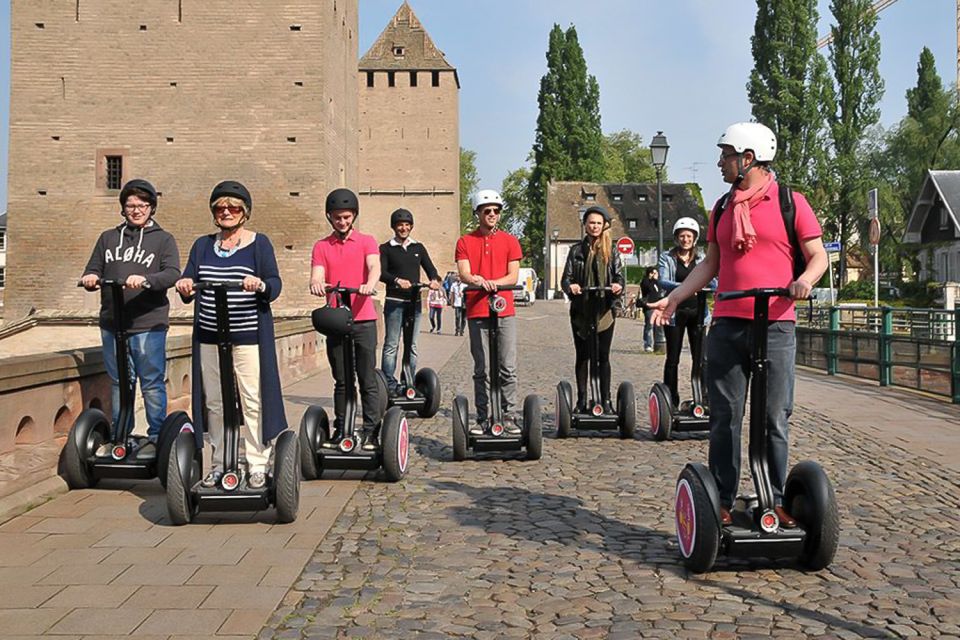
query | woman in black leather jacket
(593,262)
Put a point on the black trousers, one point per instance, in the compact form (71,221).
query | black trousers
(582,367)
(365,358)
(683,320)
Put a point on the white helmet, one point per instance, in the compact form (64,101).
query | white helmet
(753,136)
(485,197)
(688,224)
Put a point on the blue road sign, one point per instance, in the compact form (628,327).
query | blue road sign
(832,247)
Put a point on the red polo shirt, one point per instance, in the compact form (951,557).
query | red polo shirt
(344,262)
(489,257)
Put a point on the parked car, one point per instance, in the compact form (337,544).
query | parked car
(529,280)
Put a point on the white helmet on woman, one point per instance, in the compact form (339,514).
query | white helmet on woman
(686,224)
(753,136)
(485,197)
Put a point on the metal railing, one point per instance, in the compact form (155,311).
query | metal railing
(915,348)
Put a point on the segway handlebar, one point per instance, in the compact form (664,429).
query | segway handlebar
(339,289)
(111,283)
(230,285)
(500,287)
(762,292)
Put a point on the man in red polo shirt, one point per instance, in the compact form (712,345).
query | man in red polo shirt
(489,258)
(349,258)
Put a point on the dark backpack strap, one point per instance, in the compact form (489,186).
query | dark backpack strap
(718,210)
(789,212)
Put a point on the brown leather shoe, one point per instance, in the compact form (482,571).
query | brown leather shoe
(725,518)
(785,520)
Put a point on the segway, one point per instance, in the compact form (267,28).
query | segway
(318,452)
(418,391)
(92,428)
(495,437)
(186,497)
(756,532)
(625,419)
(691,415)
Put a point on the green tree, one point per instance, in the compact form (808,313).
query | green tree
(569,141)
(468,184)
(854,58)
(626,159)
(516,206)
(786,88)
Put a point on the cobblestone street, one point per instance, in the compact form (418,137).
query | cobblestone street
(581,544)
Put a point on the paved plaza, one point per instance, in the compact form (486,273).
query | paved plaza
(578,545)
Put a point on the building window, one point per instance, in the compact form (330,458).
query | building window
(3,277)
(3,240)
(632,224)
(369,78)
(618,197)
(640,197)
(589,196)
(413,78)
(114,172)
(391,78)
(398,50)
(944,218)
(667,197)
(435,78)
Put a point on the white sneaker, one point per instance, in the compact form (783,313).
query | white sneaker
(511,427)
(103,451)
(476,429)
(212,479)
(258,479)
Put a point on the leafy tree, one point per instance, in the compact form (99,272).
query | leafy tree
(516,206)
(626,159)
(469,179)
(854,58)
(569,141)
(786,88)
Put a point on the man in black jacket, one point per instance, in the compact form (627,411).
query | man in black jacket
(401,259)
(145,257)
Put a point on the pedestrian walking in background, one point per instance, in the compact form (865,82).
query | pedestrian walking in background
(651,291)
(437,300)
(459,305)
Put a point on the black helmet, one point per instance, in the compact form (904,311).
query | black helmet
(138,184)
(232,189)
(597,209)
(342,199)
(400,215)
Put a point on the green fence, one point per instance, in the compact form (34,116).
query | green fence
(916,348)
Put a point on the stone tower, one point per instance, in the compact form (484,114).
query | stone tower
(409,137)
(184,93)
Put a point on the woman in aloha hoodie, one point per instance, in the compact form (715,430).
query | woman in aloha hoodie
(145,257)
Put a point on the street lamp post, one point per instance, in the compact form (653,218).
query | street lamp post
(658,151)
(555,235)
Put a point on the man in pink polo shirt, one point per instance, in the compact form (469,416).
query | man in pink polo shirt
(749,248)
(488,258)
(349,258)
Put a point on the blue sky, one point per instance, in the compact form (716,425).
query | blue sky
(678,66)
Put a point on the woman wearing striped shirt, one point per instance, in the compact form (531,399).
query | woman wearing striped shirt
(234,254)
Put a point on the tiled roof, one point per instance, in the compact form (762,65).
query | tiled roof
(404,45)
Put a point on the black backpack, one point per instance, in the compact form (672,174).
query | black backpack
(789,212)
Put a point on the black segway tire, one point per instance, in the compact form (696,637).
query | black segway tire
(173,425)
(461,418)
(626,410)
(183,472)
(533,427)
(89,431)
(808,496)
(698,533)
(314,429)
(395,443)
(660,412)
(286,476)
(427,382)
(564,408)
(383,393)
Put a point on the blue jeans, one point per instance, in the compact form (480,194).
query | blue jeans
(728,375)
(146,360)
(652,336)
(393,315)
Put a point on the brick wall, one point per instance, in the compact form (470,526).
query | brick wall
(190,92)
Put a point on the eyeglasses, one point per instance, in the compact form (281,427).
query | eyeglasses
(724,156)
(232,209)
(490,210)
(136,207)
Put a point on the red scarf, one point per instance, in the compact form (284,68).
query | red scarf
(744,236)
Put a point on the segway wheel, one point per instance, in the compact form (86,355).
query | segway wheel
(427,383)
(314,429)
(395,441)
(626,410)
(698,532)
(661,412)
(183,472)
(461,418)
(383,393)
(286,477)
(533,427)
(175,423)
(808,497)
(89,431)
(564,408)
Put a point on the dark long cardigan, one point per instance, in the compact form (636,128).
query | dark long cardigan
(273,417)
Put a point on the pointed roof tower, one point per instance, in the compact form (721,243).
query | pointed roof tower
(404,45)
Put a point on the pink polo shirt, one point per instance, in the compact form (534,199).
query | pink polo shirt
(345,263)
(769,263)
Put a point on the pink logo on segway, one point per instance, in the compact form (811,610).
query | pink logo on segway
(403,445)
(119,452)
(347,444)
(411,393)
(498,304)
(654,407)
(698,411)
(230,481)
(497,429)
(769,522)
(686,519)
(597,410)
